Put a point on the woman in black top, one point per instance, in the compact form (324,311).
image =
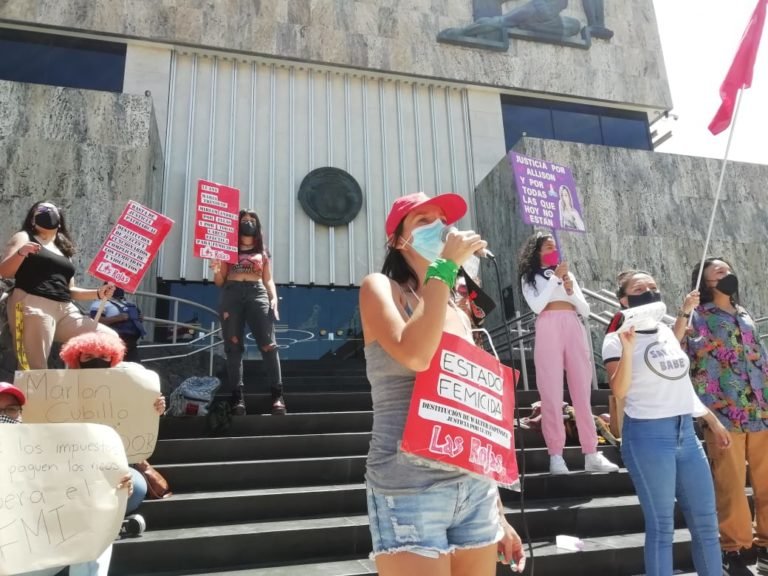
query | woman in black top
(40,308)
(249,296)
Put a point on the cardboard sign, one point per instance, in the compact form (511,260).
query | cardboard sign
(547,194)
(59,503)
(216,221)
(121,398)
(461,412)
(131,246)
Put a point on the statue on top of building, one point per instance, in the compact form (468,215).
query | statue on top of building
(540,20)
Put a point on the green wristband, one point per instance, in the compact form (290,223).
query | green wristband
(443,270)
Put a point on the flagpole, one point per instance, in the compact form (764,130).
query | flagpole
(719,189)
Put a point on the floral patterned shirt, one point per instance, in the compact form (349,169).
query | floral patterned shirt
(729,367)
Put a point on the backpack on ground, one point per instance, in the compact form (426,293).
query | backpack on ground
(193,396)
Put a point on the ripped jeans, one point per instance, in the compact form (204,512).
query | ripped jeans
(443,518)
(248,303)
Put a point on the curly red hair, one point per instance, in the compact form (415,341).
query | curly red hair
(95,343)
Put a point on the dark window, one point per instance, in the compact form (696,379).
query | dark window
(61,60)
(526,120)
(573,123)
(577,127)
(626,132)
(315,323)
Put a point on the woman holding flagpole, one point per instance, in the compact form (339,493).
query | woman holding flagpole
(729,369)
(424,521)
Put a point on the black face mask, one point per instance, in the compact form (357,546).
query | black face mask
(47,220)
(728,285)
(646,297)
(247,228)
(95,363)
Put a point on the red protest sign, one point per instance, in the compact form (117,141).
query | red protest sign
(131,246)
(461,412)
(216,221)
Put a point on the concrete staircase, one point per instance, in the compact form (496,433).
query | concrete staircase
(285,496)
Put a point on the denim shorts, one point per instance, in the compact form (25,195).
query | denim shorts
(436,521)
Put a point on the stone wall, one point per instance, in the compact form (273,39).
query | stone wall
(88,152)
(395,36)
(642,210)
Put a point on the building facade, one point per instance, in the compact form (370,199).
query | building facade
(403,96)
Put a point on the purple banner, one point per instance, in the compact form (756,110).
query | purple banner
(547,194)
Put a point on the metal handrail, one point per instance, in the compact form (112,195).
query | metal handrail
(212,334)
(178,300)
(613,303)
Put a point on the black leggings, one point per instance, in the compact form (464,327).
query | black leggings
(248,303)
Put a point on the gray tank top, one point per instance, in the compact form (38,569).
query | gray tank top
(388,469)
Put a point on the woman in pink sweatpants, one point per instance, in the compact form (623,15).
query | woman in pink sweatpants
(552,292)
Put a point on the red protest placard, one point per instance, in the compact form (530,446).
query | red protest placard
(216,221)
(131,246)
(461,412)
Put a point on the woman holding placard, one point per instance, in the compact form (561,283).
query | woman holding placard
(423,520)
(40,307)
(12,402)
(249,296)
(552,292)
(648,369)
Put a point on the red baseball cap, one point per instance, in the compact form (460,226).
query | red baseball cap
(6,388)
(453,205)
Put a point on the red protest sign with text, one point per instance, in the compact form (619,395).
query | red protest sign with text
(461,412)
(216,221)
(131,246)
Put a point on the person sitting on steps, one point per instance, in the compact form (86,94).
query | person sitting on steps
(95,350)
(12,401)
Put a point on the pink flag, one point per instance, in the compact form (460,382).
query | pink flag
(740,74)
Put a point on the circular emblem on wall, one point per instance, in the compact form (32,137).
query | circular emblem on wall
(330,196)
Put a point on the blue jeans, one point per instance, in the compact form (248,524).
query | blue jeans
(666,461)
(439,520)
(139,490)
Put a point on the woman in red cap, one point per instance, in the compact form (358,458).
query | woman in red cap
(423,520)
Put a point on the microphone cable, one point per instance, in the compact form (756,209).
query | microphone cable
(521,467)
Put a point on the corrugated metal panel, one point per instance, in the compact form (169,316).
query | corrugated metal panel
(261,127)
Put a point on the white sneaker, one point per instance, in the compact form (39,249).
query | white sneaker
(557,465)
(598,463)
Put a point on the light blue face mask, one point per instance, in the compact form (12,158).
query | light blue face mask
(428,241)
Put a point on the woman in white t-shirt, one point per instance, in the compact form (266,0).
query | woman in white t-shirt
(552,292)
(649,370)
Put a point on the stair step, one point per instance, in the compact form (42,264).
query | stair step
(262,472)
(233,545)
(617,555)
(595,516)
(173,427)
(348,400)
(262,547)
(211,508)
(242,448)
(194,429)
(260,447)
(357,567)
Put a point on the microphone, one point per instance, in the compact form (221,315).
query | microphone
(482,253)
